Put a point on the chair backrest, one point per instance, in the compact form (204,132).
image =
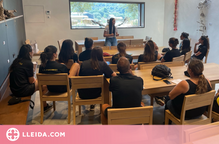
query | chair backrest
(94,38)
(105,47)
(137,42)
(83,82)
(206,56)
(136,115)
(114,67)
(53,79)
(150,65)
(60,43)
(188,56)
(124,37)
(127,42)
(180,58)
(197,101)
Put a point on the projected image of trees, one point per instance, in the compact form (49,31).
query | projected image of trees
(96,14)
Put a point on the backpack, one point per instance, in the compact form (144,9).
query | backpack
(161,71)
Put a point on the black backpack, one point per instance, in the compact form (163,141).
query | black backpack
(161,71)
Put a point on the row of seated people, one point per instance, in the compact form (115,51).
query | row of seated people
(126,88)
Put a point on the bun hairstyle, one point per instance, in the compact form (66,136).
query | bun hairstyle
(149,52)
(174,41)
(24,53)
(206,41)
(67,51)
(47,55)
(96,56)
(88,43)
(121,48)
(197,67)
(185,35)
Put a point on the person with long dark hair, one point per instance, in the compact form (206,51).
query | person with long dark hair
(67,52)
(85,55)
(202,49)
(185,46)
(150,53)
(168,57)
(50,66)
(122,53)
(110,33)
(197,84)
(94,66)
(183,36)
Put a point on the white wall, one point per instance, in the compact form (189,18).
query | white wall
(188,15)
(58,26)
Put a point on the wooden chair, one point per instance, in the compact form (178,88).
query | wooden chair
(124,37)
(192,102)
(137,42)
(206,56)
(94,38)
(127,42)
(105,47)
(54,79)
(114,67)
(215,116)
(180,58)
(187,56)
(60,43)
(125,116)
(151,65)
(113,47)
(83,82)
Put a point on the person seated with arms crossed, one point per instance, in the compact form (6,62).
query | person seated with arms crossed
(122,53)
(85,55)
(49,65)
(22,81)
(185,46)
(197,84)
(203,43)
(183,36)
(126,89)
(67,52)
(168,57)
(94,66)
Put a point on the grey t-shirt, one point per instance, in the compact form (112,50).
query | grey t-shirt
(107,31)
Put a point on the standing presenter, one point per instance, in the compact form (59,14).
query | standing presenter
(110,33)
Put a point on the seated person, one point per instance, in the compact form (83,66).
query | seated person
(185,46)
(150,54)
(122,53)
(202,49)
(126,89)
(50,66)
(216,103)
(168,57)
(197,84)
(85,55)
(183,36)
(67,52)
(22,81)
(94,66)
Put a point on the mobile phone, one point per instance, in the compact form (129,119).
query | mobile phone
(166,81)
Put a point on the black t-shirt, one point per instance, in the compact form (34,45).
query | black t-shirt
(116,57)
(126,90)
(168,57)
(87,70)
(141,57)
(178,102)
(53,67)
(85,55)
(203,50)
(19,76)
(74,57)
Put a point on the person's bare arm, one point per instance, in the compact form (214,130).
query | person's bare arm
(198,53)
(107,35)
(117,34)
(113,74)
(159,56)
(195,49)
(162,60)
(31,80)
(180,88)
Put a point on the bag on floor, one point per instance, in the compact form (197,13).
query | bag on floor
(161,71)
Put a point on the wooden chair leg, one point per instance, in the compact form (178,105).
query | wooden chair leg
(69,111)
(42,112)
(54,105)
(79,108)
(152,100)
(74,115)
(101,113)
(166,119)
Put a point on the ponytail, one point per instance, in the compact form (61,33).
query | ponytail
(202,85)
(47,55)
